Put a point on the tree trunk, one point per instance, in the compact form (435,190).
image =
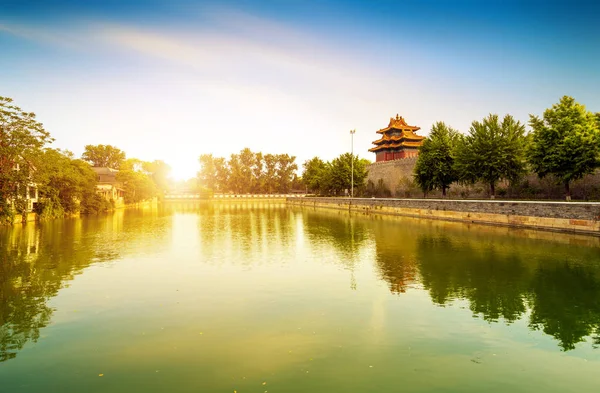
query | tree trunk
(567,191)
(444,192)
(492,190)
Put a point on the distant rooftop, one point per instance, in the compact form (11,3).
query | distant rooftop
(103,170)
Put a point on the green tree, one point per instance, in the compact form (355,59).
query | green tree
(492,151)
(286,170)
(247,179)
(565,142)
(209,175)
(270,173)
(65,185)
(339,176)
(238,178)
(315,174)
(435,165)
(22,138)
(258,173)
(159,172)
(137,184)
(104,156)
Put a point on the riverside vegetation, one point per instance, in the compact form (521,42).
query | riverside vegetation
(250,172)
(66,184)
(564,144)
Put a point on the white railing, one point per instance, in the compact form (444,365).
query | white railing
(233,196)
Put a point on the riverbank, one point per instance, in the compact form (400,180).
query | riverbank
(34,217)
(579,217)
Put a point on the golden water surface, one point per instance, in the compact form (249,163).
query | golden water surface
(259,297)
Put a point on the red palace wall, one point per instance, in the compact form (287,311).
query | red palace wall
(395,155)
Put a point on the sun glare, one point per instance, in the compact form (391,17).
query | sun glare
(182,171)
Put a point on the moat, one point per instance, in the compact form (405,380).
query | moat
(264,297)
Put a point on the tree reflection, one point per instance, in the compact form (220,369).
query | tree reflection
(247,232)
(502,279)
(344,232)
(493,282)
(36,261)
(503,275)
(566,303)
(22,308)
(25,286)
(394,255)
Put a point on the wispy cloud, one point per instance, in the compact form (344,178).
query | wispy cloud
(242,49)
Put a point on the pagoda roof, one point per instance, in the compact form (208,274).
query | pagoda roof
(405,136)
(395,145)
(398,123)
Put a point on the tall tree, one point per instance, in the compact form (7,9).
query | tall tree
(247,161)
(65,185)
(493,150)
(104,156)
(286,169)
(270,182)
(258,173)
(435,165)
(339,175)
(315,174)
(159,171)
(221,173)
(239,181)
(22,138)
(137,184)
(565,142)
(207,176)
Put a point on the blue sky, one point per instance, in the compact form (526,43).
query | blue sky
(174,79)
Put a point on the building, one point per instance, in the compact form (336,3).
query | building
(30,194)
(108,186)
(398,140)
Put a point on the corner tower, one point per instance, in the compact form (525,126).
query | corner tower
(398,140)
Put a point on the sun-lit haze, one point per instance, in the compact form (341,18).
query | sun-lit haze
(172,80)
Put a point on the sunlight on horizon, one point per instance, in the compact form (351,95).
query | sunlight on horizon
(216,78)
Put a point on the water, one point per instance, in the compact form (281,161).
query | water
(237,297)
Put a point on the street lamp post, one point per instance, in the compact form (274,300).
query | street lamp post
(352,163)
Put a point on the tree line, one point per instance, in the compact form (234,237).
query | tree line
(65,184)
(564,143)
(258,173)
(249,172)
(336,176)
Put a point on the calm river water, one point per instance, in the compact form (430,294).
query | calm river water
(236,297)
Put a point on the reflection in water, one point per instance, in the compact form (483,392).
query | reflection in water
(505,277)
(565,302)
(36,261)
(296,257)
(245,233)
(395,255)
(492,280)
(339,230)
(557,286)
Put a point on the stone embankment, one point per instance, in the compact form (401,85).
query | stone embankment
(582,217)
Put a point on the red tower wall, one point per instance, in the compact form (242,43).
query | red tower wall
(395,155)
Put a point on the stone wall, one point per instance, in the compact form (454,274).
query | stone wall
(392,173)
(581,217)
(397,177)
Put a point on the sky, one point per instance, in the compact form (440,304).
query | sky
(171,80)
